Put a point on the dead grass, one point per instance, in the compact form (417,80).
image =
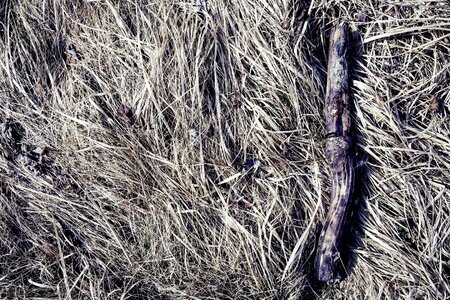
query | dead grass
(129,130)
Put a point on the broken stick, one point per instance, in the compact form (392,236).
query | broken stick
(339,157)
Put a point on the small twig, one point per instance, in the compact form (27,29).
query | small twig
(338,154)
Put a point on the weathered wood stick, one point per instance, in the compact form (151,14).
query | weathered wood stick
(339,157)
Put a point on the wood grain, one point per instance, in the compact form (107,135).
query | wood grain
(339,157)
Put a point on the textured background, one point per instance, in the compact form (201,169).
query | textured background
(166,150)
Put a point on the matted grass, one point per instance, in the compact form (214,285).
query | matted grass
(166,150)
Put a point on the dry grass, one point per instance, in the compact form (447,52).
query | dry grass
(125,126)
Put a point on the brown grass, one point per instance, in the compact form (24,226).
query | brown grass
(128,129)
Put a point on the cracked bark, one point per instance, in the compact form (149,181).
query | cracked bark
(339,157)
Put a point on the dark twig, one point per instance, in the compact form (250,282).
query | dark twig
(338,154)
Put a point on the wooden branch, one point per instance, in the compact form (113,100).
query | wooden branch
(339,157)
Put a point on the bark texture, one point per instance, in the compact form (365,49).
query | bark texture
(339,156)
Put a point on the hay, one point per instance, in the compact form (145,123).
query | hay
(166,150)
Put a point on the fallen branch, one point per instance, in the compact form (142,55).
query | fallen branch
(338,154)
